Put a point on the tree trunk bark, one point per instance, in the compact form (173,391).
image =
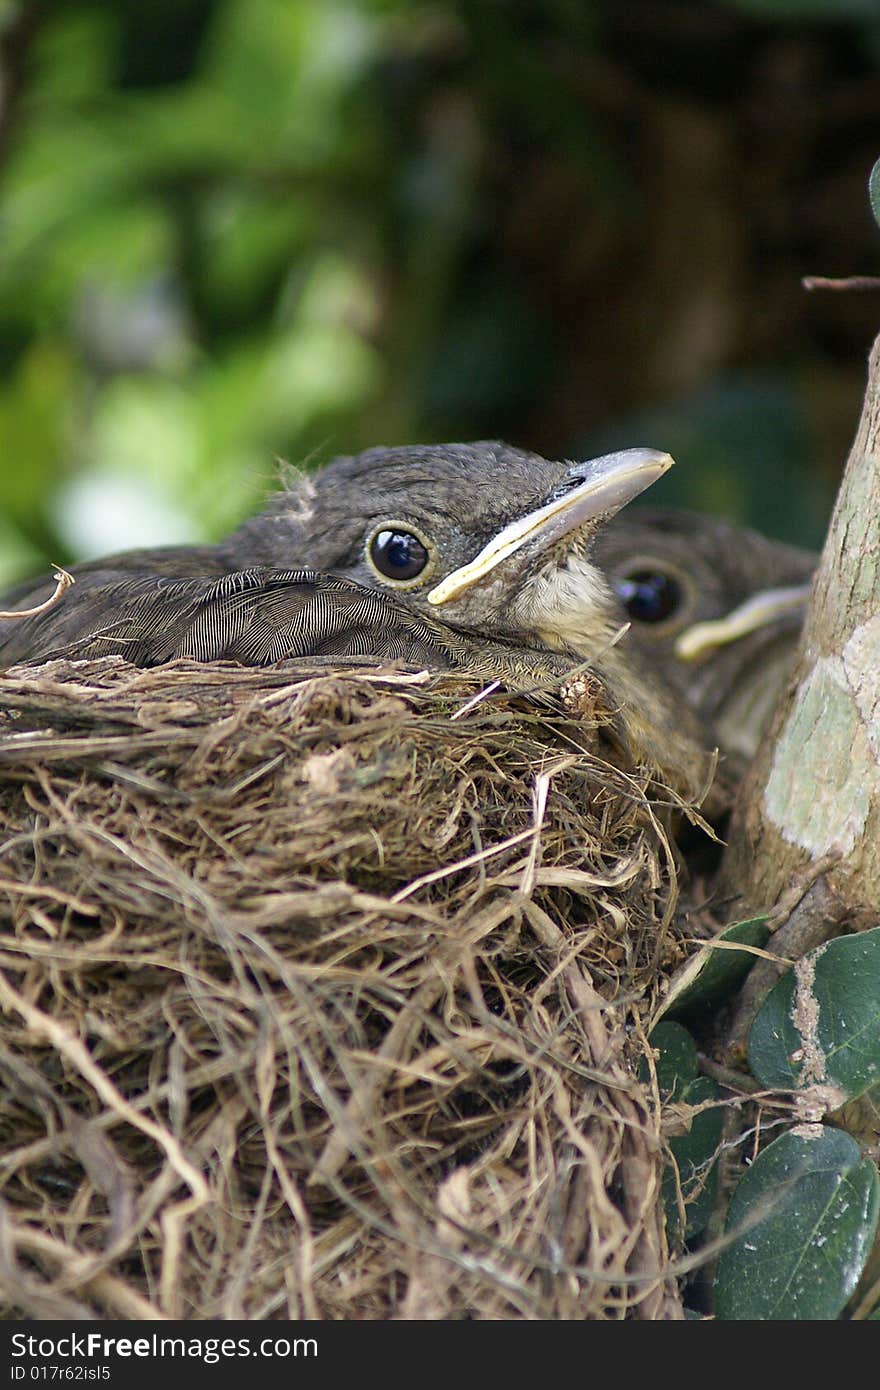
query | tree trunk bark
(808,812)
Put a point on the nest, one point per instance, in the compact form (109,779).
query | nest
(323,995)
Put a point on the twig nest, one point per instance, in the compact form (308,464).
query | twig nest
(321,996)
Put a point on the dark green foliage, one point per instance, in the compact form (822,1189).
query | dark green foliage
(716,971)
(803,1220)
(803,1217)
(690,1178)
(821,1023)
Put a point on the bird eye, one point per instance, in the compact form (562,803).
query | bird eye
(397,555)
(649,596)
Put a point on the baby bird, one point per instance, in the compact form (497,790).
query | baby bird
(479,556)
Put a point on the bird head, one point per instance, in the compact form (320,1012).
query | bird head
(715,607)
(482,536)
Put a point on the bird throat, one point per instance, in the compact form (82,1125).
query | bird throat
(570,606)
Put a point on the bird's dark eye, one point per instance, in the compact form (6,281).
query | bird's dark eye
(649,596)
(398,554)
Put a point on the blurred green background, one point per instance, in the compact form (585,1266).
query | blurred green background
(237,230)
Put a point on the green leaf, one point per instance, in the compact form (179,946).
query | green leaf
(821,1022)
(677,1063)
(715,972)
(804,1218)
(694,1154)
(874,191)
(678,1081)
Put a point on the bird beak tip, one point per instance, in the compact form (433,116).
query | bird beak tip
(615,479)
(651,463)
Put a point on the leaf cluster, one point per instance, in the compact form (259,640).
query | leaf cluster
(802,1219)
